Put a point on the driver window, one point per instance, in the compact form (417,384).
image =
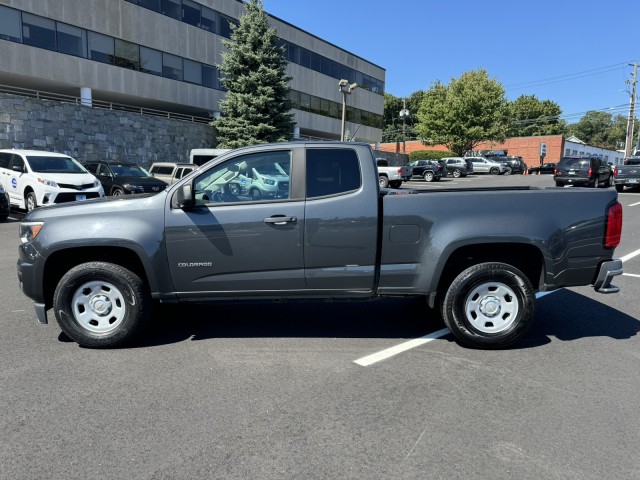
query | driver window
(248,178)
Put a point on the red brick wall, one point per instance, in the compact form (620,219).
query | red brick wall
(526,147)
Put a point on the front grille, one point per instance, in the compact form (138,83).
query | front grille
(71,197)
(151,188)
(86,186)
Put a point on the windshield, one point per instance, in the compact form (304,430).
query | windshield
(55,165)
(128,171)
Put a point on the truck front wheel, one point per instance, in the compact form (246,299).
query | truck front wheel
(100,304)
(489,306)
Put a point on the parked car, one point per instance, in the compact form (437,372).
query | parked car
(544,169)
(457,166)
(584,170)
(120,178)
(483,165)
(392,176)
(628,174)
(170,172)
(429,170)
(5,206)
(35,178)
(515,164)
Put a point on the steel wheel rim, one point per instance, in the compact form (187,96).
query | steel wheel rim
(428,177)
(456,173)
(31,203)
(98,307)
(381,182)
(491,307)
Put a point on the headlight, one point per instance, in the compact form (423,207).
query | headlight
(29,231)
(96,184)
(49,183)
(269,182)
(131,187)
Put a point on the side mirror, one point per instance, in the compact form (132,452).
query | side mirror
(183,198)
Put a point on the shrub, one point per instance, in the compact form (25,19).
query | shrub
(429,155)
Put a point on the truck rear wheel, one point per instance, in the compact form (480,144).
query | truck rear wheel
(395,184)
(383,181)
(489,306)
(619,187)
(100,304)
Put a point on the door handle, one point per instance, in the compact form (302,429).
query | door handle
(280,219)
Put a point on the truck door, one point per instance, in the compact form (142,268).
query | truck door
(341,215)
(233,243)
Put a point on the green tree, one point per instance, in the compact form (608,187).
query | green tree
(470,110)
(256,108)
(393,126)
(532,117)
(601,129)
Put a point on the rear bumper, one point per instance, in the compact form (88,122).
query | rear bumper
(606,272)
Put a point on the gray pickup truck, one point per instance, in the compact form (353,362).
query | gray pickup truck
(329,232)
(628,174)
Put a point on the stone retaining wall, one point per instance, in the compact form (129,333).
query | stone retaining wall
(89,134)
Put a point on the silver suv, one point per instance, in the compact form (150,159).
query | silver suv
(457,166)
(482,165)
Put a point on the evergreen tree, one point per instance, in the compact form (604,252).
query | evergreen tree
(256,108)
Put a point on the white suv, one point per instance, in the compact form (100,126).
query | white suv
(35,178)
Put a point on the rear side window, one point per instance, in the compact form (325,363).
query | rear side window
(331,171)
(162,170)
(574,162)
(4,160)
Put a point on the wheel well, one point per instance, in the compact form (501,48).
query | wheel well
(26,191)
(62,261)
(526,258)
(381,174)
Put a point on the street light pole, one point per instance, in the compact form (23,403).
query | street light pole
(345,88)
(404,113)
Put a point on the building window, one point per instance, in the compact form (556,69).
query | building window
(225,25)
(101,48)
(127,55)
(208,19)
(191,13)
(38,31)
(171,66)
(192,72)
(567,152)
(171,8)
(72,40)
(150,61)
(150,4)
(10,24)
(210,77)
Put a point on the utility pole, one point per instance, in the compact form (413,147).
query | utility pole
(628,144)
(404,113)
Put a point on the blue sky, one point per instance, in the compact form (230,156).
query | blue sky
(573,52)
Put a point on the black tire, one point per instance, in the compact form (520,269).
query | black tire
(3,218)
(456,173)
(494,171)
(611,182)
(383,181)
(507,171)
(559,184)
(428,176)
(468,307)
(101,305)
(619,188)
(255,194)
(117,192)
(30,202)
(395,184)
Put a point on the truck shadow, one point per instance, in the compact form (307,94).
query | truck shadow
(565,315)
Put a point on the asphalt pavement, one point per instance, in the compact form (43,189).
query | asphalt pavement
(274,391)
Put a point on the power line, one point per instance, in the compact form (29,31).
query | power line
(566,77)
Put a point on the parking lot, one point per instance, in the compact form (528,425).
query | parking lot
(328,390)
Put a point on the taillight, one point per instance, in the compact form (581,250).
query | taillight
(615,171)
(555,172)
(590,172)
(400,171)
(614,226)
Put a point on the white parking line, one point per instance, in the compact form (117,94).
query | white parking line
(416,342)
(630,275)
(629,256)
(403,347)
(633,204)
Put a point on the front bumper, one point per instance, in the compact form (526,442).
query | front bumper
(606,272)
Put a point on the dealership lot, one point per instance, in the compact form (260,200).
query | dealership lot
(259,390)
